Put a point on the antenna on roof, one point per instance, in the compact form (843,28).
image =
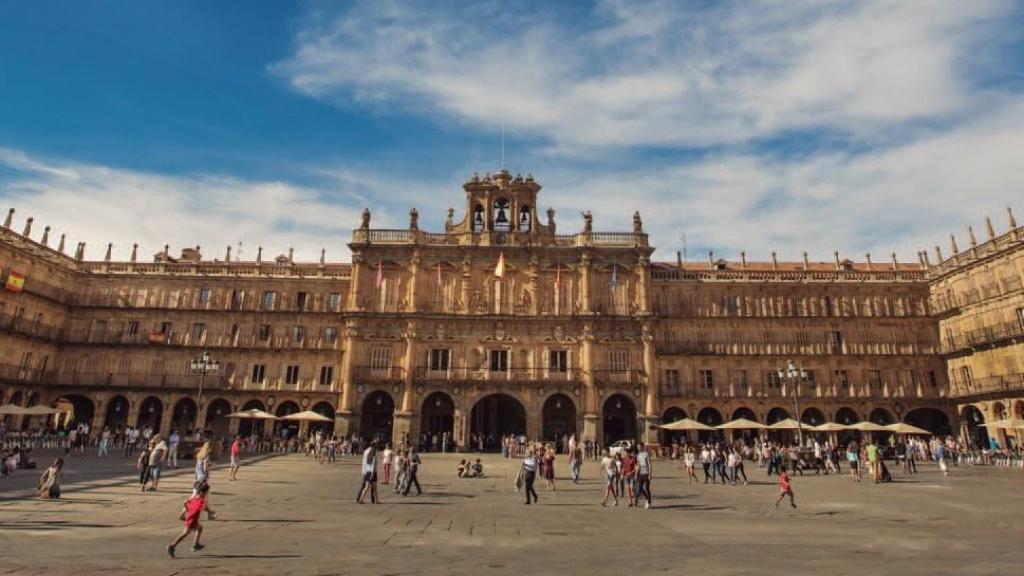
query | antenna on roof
(684,246)
(502,145)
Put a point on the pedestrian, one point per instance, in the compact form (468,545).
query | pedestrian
(705,462)
(388,456)
(575,460)
(873,461)
(142,464)
(203,464)
(853,457)
(785,489)
(104,443)
(644,471)
(369,475)
(529,469)
(941,454)
(627,475)
(49,482)
(549,468)
(414,465)
(156,461)
(689,461)
(193,507)
(172,448)
(235,453)
(732,460)
(608,467)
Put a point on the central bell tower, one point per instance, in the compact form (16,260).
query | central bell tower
(502,209)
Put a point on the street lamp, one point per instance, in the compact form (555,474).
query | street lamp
(795,375)
(203,365)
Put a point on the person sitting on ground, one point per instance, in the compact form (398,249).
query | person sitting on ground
(49,482)
(478,469)
(463,468)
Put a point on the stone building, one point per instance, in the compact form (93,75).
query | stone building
(499,324)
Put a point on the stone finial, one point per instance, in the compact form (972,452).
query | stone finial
(227,254)
(28,227)
(110,248)
(414,219)
(323,255)
(679,259)
(743,258)
(291,255)
(9,219)
(1009,215)
(638,224)
(449,220)
(920,258)
(259,249)
(952,242)
(867,257)
(927,261)
(807,262)
(60,245)
(588,221)
(970,237)
(836,254)
(775,260)
(135,252)
(991,230)
(80,252)
(711,258)
(365,222)
(938,254)
(46,237)
(895,264)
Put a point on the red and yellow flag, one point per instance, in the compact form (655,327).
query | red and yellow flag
(15,282)
(499,270)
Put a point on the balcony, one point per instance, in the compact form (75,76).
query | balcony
(989,386)
(619,377)
(793,348)
(18,324)
(205,340)
(20,374)
(985,337)
(390,374)
(460,374)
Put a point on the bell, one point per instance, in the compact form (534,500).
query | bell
(501,218)
(479,218)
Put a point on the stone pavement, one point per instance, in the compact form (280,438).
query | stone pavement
(286,514)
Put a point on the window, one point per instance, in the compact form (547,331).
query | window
(1020,318)
(334,302)
(380,358)
(263,332)
(165,328)
(259,373)
(812,379)
(291,374)
(618,360)
(835,341)
(331,334)
(269,298)
(326,375)
(707,379)
(298,333)
(738,379)
(558,360)
(671,380)
(439,359)
(301,301)
(499,360)
(234,334)
(204,296)
(237,297)
(198,331)
(133,327)
(875,379)
(841,378)
(829,308)
(933,379)
(965,376)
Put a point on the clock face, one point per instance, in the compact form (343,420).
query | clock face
(500,238)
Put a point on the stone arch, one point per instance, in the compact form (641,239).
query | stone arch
(672,414)
(619,419)
(501,214)
(217,422)
(377,418)
(846,416)
(812,417)
(117,413)
(83,410)
(184,415)
(881,416)
(998,410)
(286,408)
(496,415)
(710,417)
(974,420)
(744,412)
(931,419)
(558,419)
(252,427)
(325,409)
(437,416)
(151,413)
(776,414)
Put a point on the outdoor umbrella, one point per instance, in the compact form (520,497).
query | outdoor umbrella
(41,411)
(1008,423)
(685,424)
(904,428)
(787,424)
(12,410)
(867,426)
(253,414)
(307,416)
(741,424)
(829,427)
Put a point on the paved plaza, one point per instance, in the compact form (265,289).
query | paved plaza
(287,514)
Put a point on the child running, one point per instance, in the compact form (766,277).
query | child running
(194,506)
(785,489)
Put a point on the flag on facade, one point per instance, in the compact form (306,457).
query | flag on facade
(157,338)
(499,270)
(614,282)
(439,283)
(558,276)
(380,274)
(15,282)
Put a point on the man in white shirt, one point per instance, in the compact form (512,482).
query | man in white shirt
(369,474)
(172,449)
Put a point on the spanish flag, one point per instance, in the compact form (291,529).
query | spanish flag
(15,282)
(499,270)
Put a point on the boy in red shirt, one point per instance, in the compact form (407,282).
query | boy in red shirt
(194,506)
(785,488)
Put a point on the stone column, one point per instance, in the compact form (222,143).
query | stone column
(584,272)
(589,392)
(343,417)
(357,274)
(99,416)
(643,285)
(411,292)
(402,423)
(650,411)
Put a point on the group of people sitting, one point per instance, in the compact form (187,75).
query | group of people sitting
(14,458)
(469,469)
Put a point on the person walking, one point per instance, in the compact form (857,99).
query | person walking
(49,482)
(203,464)
(609,469)
(575,460)
(853,457)
(644,472)
(689,461)
(172,449)
(549,468)
(873,461)
(156,461)
(193,507)
(104,443)
(941,455)
(388,457)
(414,466)
(369,475)
(529,469)
(785,489)
(235,454)
(705,462)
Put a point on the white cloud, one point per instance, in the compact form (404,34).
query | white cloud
(651,72)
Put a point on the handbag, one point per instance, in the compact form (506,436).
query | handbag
(519,480)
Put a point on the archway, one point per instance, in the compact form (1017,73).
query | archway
(673,414)
(117,413)
(776,415)
(931,419)
(28,421)
(378,417)
(747,436)
(438,418)
(882,417)
(325,409)
(16,398)
(151,414)
(709,417)
(217,423)
(977,434)
(744,412)
(495,416)
(286,428)
(250,427)
(558,420)
(847,416)
(619,419)
(183,417)
(812,417)
(82,413)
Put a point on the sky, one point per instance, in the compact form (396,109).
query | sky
(757,125)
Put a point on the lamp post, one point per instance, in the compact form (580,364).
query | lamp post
(203,365)
(795,375)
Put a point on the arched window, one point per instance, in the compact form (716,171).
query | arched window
(501,215)
(478,218)
(524,219)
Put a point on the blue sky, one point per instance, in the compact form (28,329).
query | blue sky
(757,126)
